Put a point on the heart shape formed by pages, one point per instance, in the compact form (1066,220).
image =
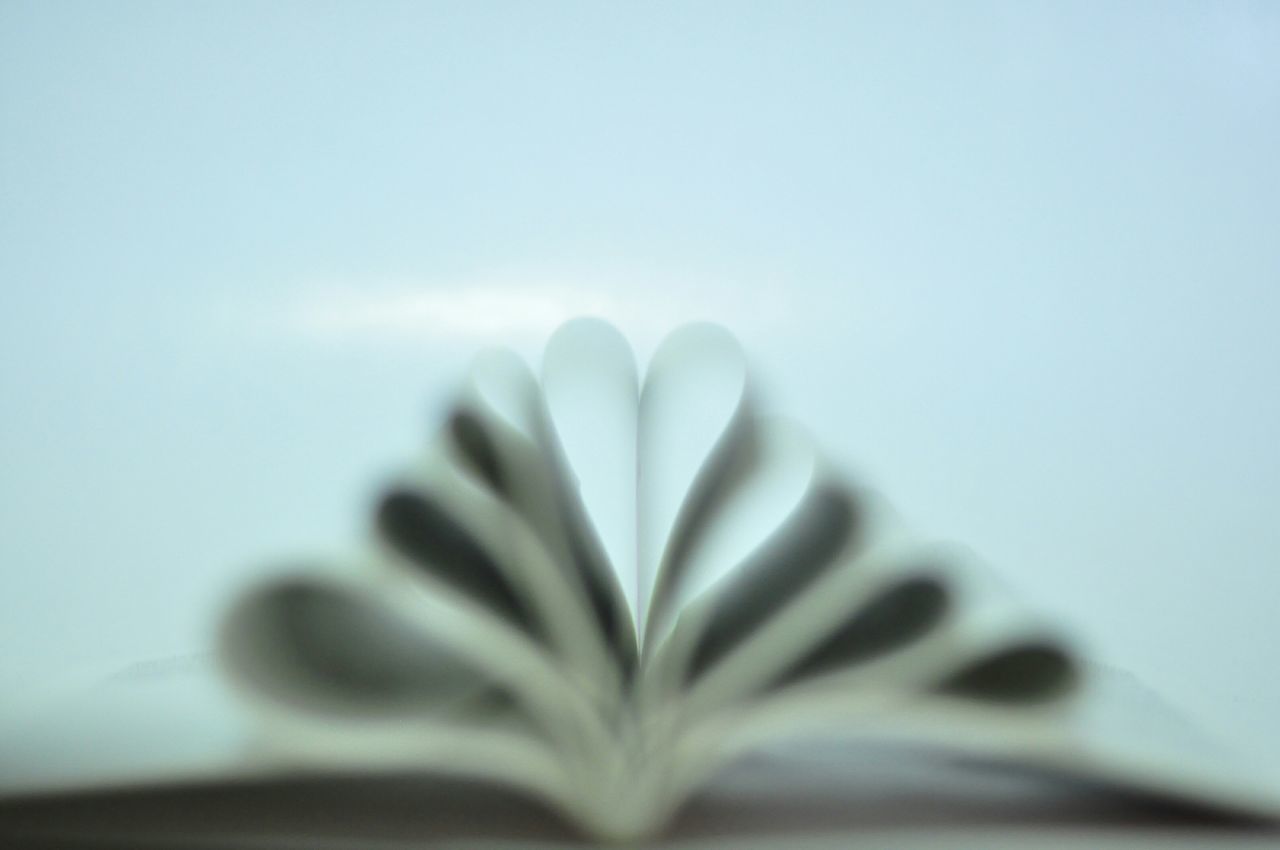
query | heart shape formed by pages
(600,589)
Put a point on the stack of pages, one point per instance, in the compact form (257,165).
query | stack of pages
(613,595)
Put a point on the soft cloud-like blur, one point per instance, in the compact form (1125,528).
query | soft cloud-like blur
(518,306)
(1016,261)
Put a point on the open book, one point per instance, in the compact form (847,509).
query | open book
(601,591)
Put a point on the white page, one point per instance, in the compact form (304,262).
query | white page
(592,395)
(694,390)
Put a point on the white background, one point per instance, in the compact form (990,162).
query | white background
(1017,263)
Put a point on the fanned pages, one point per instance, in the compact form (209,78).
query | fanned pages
(601,585)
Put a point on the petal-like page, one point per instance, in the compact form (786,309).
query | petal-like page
(695,392)
(334,648)
(591,388)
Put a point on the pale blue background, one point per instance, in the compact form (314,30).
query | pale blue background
(1018,262)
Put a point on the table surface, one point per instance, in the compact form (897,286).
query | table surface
(168,728)
(886,800)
